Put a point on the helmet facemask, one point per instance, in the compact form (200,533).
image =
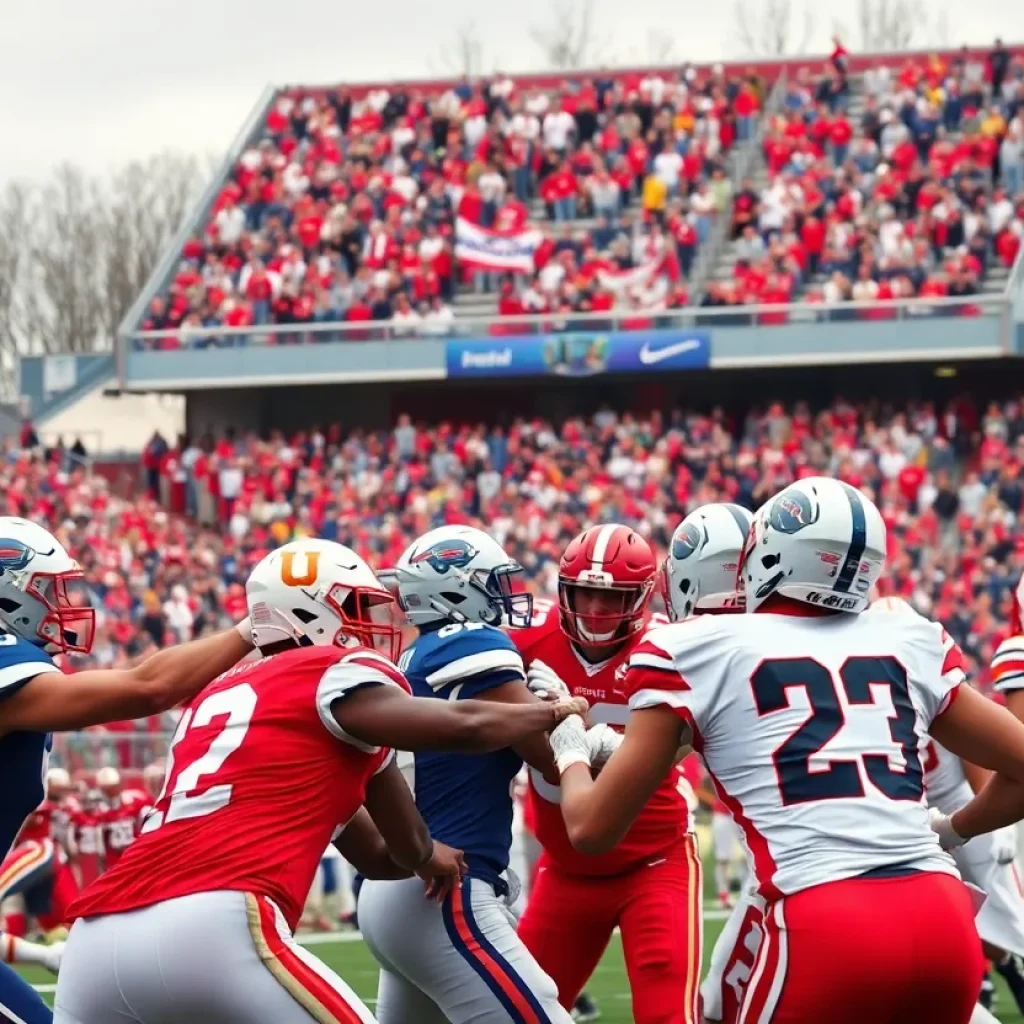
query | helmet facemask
(621,615)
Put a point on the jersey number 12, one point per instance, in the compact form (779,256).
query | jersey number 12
(193,763)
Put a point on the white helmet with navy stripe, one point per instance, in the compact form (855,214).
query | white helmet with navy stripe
(819,541)
(458,574)
(699,572)
(43,594)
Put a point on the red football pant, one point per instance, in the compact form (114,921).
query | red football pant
(884,951)
(569,920)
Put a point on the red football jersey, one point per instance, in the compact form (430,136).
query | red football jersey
(87,832)
(122,822)
(259,778)
(663,821)
(40,824)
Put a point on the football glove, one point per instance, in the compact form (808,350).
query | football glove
(602,741)
(545,682)
(569,743)
(942,826)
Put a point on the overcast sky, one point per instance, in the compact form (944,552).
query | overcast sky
(107,80)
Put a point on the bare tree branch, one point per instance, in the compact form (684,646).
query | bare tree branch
(892,24)
(465,57)
(773,28)
(568,42)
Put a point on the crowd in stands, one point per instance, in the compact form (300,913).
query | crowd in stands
(345,208)
(169,560)
(916,197)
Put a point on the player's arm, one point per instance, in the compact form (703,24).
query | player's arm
(598,812)
(981,732)
(534,750)
(393,812)
(362,845)
(51,701)
(387,716)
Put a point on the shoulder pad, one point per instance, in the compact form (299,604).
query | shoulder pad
(21,661)
(456,653)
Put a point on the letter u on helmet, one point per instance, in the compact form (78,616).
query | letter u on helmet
(321,593)
(611,566)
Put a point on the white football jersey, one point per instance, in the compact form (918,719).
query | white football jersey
(946,786)
(1008,665)
(812,731)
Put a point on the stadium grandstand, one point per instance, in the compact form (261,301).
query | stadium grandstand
(532,303)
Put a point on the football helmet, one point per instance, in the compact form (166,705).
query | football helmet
(605,580)
(43,594)
(108,780)
(457,574)
(1017,611)
(819,541)
(699,572)
(318,592)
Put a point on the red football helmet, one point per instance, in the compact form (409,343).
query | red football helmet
(605,580)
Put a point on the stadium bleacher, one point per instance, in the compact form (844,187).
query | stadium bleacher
(835,182)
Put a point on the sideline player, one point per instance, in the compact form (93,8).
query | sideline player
(700,579)
(265,766)
(649,886)
(122,818)
(44,612)
(819,756)
(455,585)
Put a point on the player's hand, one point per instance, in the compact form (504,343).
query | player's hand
(942,826)
(566,707)
(545,682)
(443,871)
(569,743)
(1005,845)
(603,741)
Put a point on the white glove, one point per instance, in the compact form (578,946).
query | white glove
(1005,845)
(245,630)
(603,741)
(942,826)
(569,743)
(545,682)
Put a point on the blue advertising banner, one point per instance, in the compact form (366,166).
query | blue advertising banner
(579,354)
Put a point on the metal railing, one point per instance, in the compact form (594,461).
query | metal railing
(510,327)
(99,748)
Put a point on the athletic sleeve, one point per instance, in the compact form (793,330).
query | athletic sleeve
(1008,665)
(664,670)
(20,663)
(940,665)
(472,661)
(345,676)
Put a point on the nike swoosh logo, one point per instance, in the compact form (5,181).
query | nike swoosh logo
(649,356)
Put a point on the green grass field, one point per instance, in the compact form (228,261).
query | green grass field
(353,962)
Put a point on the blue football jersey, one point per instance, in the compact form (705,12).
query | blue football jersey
(23,755)
(465,799)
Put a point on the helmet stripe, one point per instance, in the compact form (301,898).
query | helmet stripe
(604,536)
(858,541)
(741,523)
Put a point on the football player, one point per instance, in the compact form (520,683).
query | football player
(649,885)
(699,576)
(267,764)
(819,757)
(45,612)
(123,816)
(456,586)
(987,861)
